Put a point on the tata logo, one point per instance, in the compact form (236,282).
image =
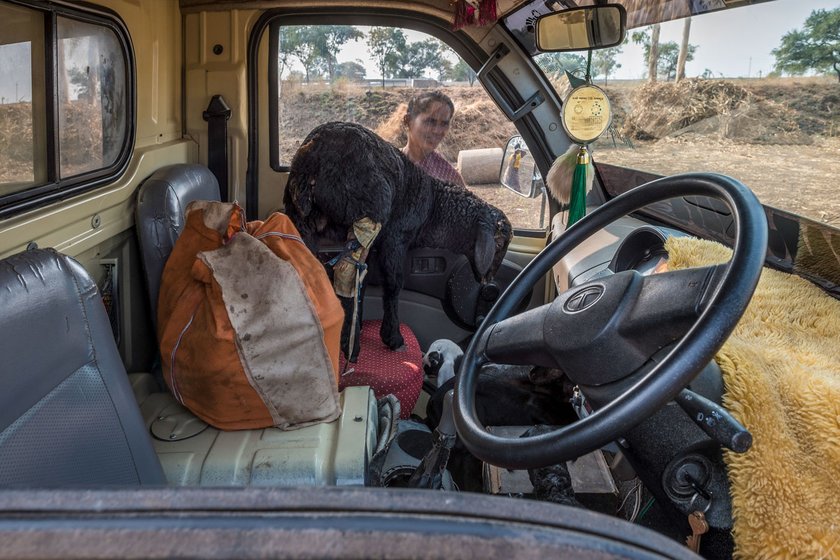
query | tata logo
(584,298)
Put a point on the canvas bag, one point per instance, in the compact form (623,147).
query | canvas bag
(248,323)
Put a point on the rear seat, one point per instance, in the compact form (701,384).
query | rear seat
(67,416)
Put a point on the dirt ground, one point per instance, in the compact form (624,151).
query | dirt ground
(801,179)
(780,137)
(807,184)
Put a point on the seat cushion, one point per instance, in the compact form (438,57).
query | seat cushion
(67,413)
(386,371)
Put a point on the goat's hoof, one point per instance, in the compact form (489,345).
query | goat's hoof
(394,343)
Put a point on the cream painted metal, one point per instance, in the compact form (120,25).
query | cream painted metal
(194,454)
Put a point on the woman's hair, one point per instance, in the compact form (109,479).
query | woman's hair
(394,128)
(420,103)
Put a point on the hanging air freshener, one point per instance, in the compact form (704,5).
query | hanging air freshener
(586,116)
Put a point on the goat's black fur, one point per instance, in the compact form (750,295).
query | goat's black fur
(343,172)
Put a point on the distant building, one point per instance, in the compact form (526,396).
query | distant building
(403,82)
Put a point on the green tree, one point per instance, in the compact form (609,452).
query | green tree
(649,39)
(462,72)
(604,61)
(315,46)
(353,71)
(83,81)
(815,47)
(385,44)
(667,55)
(334,37)
(420,56)
(554,64)
(446,70)
(284,60)
(682,58)
(301,42)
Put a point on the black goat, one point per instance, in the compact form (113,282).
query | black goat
(343,172)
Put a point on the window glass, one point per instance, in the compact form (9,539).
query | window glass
(65,105)
(22,126)
(742,102)
(368,75)
(91,97)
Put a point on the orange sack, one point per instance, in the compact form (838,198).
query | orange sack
(248,323)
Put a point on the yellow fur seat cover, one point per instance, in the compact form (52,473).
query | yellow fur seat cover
(781,369)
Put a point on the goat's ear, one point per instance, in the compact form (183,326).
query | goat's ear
(299,195)
(485,249)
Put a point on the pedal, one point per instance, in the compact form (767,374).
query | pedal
(590,473)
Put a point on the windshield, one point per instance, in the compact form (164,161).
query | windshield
(728,92)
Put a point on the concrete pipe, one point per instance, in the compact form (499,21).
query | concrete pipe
(480,167)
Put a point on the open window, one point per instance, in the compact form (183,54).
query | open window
(321,71)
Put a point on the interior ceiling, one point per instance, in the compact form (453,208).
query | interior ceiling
(428,6)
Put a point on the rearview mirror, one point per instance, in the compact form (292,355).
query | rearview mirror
(590,27)
(518,172)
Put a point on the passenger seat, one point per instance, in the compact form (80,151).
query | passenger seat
(195,454)
(161,203)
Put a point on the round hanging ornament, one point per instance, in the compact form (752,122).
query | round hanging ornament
(586,114)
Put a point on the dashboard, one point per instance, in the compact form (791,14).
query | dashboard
(626,244)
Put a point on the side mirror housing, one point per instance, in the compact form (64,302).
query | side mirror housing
(518,172)
(589,27)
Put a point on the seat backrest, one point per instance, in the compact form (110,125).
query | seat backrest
(67,412)
(161,203)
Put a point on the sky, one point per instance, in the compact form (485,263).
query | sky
(734,43)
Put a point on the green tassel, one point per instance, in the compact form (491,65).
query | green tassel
(577,203)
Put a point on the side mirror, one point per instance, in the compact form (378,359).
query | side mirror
(518,172)
(590,27)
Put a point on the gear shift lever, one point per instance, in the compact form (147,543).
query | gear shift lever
(430,471)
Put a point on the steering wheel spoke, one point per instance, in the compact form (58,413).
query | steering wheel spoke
(520,340)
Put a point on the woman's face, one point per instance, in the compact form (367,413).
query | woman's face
(426,130)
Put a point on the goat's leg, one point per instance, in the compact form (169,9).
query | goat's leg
(391,265)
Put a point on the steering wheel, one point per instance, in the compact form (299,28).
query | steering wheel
(608,332)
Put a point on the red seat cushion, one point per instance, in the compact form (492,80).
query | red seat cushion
(386,371)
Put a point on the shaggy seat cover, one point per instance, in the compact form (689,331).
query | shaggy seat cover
(781,369)
(386,371)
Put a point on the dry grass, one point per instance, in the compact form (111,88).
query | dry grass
(711,108)
(781,137)
(80,140)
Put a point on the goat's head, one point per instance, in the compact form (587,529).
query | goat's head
(491,241)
